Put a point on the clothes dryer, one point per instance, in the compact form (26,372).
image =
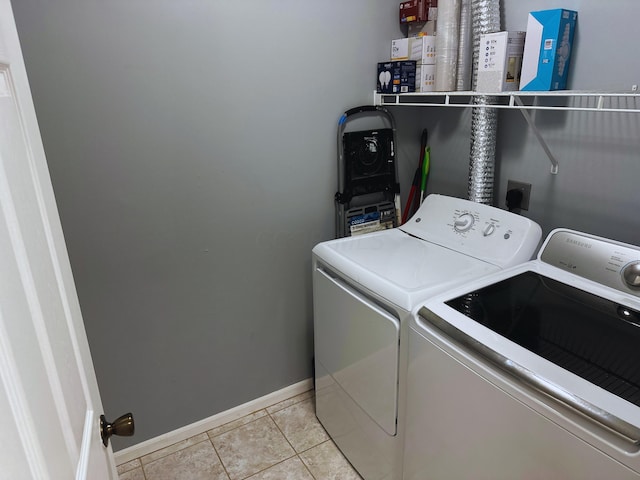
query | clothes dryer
(364,288)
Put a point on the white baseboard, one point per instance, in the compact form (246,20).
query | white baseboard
(201,426)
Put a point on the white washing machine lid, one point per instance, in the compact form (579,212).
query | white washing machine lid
(398,267)
(583,276)
(447,242)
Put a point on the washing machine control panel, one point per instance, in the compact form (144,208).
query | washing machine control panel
(631,274)
(482,231)
(464,222)
(607,262)
(489,229)
(470,222)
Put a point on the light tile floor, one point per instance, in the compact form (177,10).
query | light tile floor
(281,442)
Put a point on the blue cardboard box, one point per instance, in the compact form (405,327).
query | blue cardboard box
(547,50)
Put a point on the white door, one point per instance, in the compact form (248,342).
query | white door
(49,400)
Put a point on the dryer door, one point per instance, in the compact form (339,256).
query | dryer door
(356,344)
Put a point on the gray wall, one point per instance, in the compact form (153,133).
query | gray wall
(596,189)
(192,150)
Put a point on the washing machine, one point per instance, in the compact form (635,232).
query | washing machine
(531,372)
(364,288)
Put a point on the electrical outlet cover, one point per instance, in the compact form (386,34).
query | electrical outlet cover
(525,188)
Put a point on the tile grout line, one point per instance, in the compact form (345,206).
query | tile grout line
(215,450)
(268,415)
(211,436)
(296,454)
(267,468)
(307,467)
(242,425)
(139,466)
(172,452)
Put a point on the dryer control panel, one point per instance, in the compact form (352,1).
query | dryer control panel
(481,231)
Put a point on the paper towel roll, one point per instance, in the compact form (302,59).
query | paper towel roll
(447,33)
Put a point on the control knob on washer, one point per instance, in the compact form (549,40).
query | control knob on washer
(464,222)
(489,229)
(631,274)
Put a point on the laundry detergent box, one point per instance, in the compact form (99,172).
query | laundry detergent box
(500,61)
(547,50)
(397,77)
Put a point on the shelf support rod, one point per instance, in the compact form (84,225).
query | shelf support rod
(536,132)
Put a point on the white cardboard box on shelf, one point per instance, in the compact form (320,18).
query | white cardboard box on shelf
(400,49)
(425,77)
(418,29)
(423,49)
(500,61)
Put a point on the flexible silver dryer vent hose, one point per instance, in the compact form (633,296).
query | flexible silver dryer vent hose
(485,16)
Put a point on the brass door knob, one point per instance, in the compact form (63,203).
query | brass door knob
(123,427)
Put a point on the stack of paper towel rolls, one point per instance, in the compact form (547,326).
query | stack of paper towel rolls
(447,44)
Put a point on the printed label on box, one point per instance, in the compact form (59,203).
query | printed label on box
(501,55)
(396,77)
(400,49)
(425,78)
(423,49)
